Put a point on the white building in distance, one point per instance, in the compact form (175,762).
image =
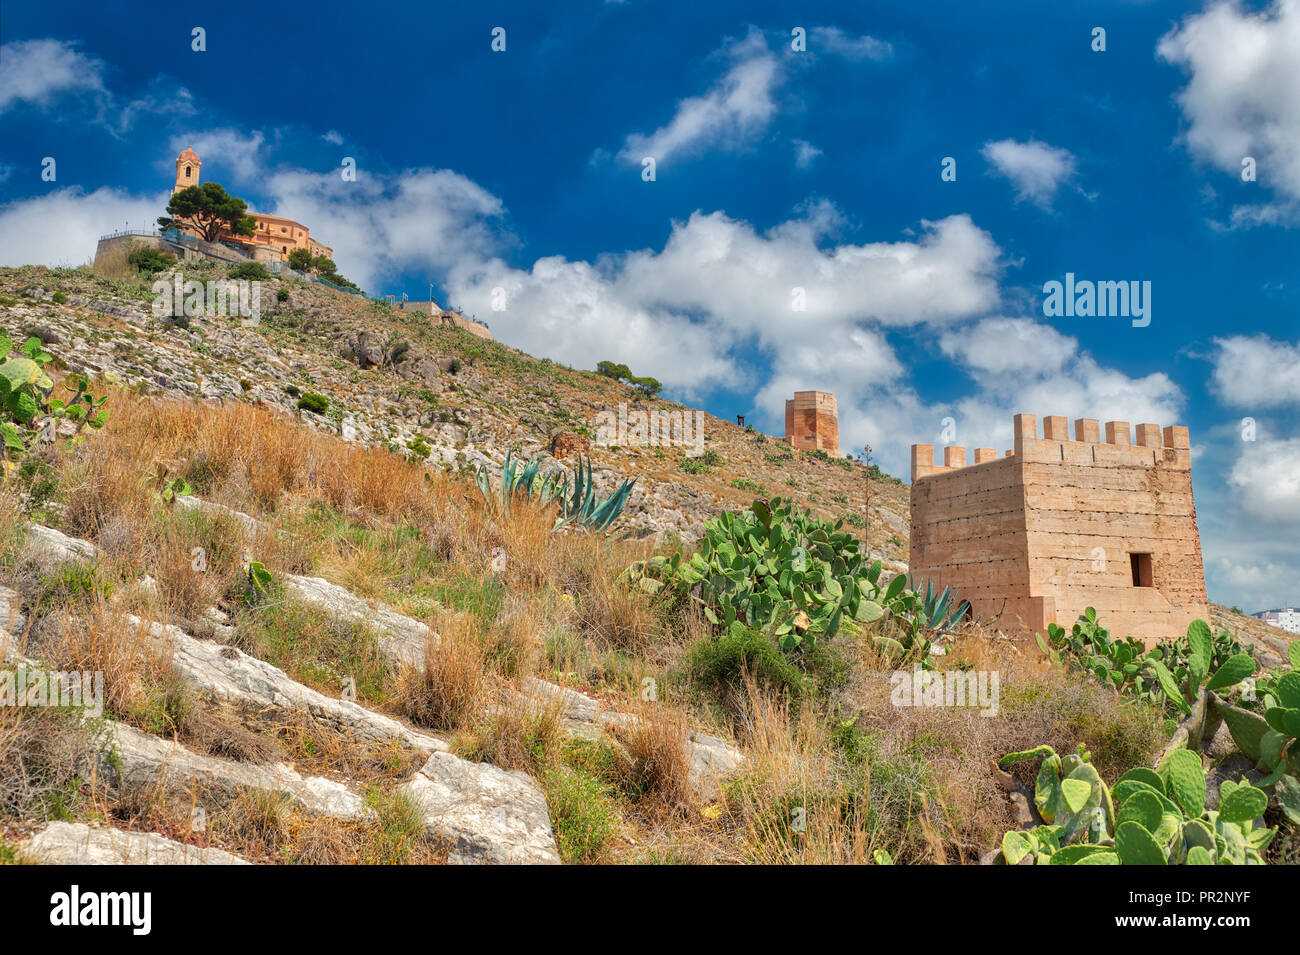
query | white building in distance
(1288,619)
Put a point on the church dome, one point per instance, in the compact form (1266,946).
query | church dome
(188,155)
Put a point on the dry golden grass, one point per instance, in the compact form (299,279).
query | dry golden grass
(792,805)
(506,592)
(658,765)
(519,733)
(451,689)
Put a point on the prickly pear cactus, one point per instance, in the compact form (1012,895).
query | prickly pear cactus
(1161,817)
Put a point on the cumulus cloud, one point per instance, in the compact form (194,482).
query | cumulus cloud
(240,154)
(1024,365)
(735,110)
(63,227)
(1242,96)
(1254,371)
(1036,169)
(835,41)
(1002,345)
(1252,583)
(38,72)
(382,225)
(719,283)
(1266,480)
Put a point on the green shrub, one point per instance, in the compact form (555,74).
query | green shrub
(584,814)
(252,271)
(147,260)
(718,665)
(700,464)
(313,402)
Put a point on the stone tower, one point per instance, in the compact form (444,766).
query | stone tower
(812,422)
(187,169)
(1059,525)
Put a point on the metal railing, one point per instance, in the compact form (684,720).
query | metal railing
(126,232)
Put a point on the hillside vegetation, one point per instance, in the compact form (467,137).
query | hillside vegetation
(328,646)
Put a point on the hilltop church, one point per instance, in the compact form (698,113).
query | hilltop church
(274,233)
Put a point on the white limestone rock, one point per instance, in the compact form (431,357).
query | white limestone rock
(250,684)
(710,757)
(401,638)
(75,843)
(137,760)
(488,814)
(55,546)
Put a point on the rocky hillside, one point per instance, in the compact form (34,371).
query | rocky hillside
(395,377)
(311,649)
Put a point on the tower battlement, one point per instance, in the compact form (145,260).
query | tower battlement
(1170,446)
(1060,523)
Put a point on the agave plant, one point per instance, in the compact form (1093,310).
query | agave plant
(581,505)
(922,615)
(579,501)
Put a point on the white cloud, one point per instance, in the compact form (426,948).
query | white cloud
(1002,345)
(1249,582)
(730,115)
(804,153)
(1256,371)
(63,227)
(1024,365)
(1242,96)
(334,137)
(380,226)
(162,98)
(40,71)
(1036,169)
(1266,481)
(720,291)
(836,41)
(225,150)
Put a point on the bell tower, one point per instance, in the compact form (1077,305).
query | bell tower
(187,170)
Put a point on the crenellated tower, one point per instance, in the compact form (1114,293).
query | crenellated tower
(1059,524)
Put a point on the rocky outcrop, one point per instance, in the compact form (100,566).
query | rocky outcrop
(74,843)
(710,758)
(252,685)
(136,760)
(56,547)
(401,638)
(487,814)
(566,444)
(251,525)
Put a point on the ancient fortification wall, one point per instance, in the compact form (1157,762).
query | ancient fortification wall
(1060,524)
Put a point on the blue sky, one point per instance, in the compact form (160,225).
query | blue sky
(515,179)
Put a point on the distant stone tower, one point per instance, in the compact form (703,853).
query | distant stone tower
(812,422)
(1059,525)
(187,170)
